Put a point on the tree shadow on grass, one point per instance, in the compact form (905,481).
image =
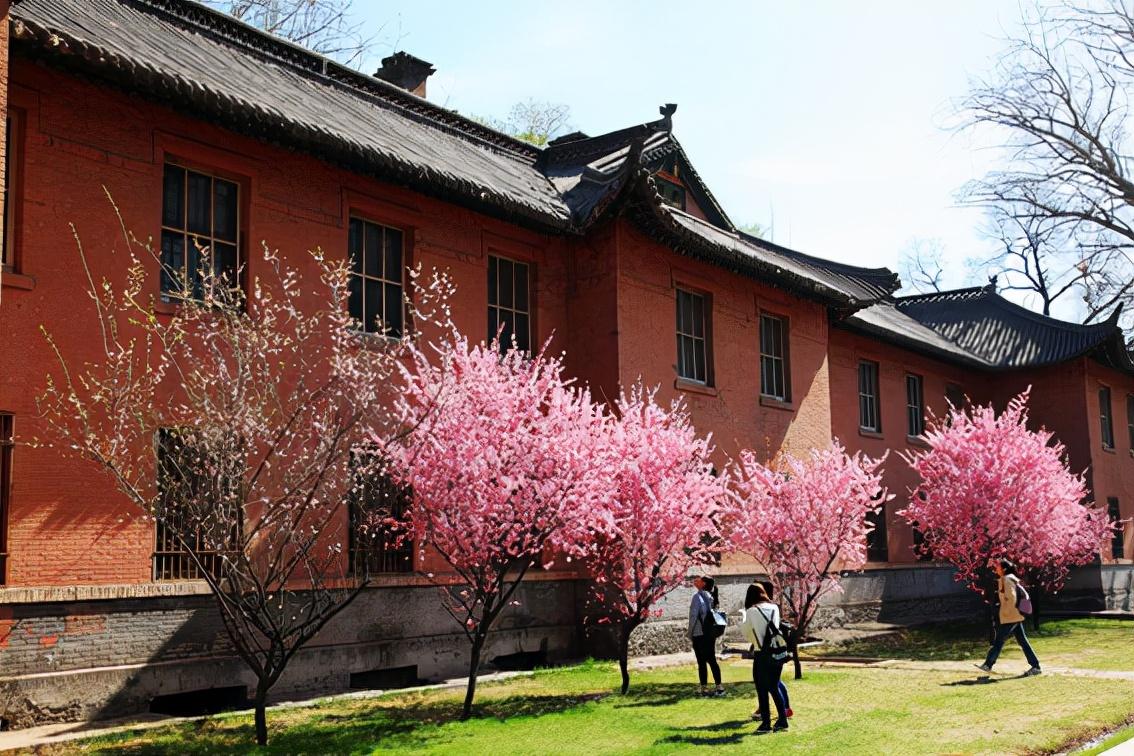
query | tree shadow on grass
(692,735)
(668,694)
(383,723)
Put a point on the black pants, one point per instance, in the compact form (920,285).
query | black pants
(705,647)
(766,674)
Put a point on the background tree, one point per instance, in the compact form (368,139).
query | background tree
(665,506)
(534,121)
(236,424)
(327,27)
(804,520)
(1059,99)
(504,466)
(991,489)
(922,266)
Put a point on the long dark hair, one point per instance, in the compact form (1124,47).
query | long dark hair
(711,588)
(1008,566)
(756,595)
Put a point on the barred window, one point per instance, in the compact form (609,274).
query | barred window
(377,272)
(509,303)
(869,409)
(373,547)
(1105,423)
(915,406)
(197,514)
(6,444)
(199,212)
(692,337)
(1117,538)
(773,357)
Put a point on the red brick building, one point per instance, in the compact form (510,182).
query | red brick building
(199,126)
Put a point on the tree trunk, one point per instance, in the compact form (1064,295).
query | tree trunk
(624,654)
(795,636)
(474,667)
(1035,609)
(261,712)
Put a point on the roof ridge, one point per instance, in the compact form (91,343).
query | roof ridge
(880,271)
(964,291)
(235,32)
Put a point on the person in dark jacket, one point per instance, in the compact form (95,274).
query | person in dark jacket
(705,599)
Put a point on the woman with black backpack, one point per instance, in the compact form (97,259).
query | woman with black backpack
(703,633)
(761,627)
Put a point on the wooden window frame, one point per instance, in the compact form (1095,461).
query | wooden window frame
(915,412)
(1106,418)
(381,279)
(496,309)
(7,445)
(706,339)
(782,361)
(15,119)
(1118,537)
(238,242)
(874,400)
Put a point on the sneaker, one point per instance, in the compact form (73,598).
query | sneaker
(983,667)
(765,727)
(1033,672)
(780,725)
(789,712)
(718,693)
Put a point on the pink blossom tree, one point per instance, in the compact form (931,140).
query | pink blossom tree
(666,506)
(502,461)
(990,489)
(804,519)
(241,426)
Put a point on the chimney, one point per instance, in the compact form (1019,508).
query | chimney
(404,70)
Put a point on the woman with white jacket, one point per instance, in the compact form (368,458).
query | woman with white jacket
(761,622)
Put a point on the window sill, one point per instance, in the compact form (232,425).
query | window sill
(694,387)
(17,280)
(773,402)
(867,433)
(162,307)
(1108,449)
(917,441)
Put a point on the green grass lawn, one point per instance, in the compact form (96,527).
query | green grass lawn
(1102,644)
(576,710)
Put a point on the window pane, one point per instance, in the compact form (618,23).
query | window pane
(354,245)
(173,197)
(372,250)
(354,302)
(393,309)
(493,322)
(523,337)
(507,329)
(392,270)
(684,357)
(372,304)
(225,224)
(172,261)
(200,204)
(224,262)
(685,312)
(699,359)
(493,289)
(506,277)
(522,287)
(698,317)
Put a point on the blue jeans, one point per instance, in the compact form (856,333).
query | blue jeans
(783,695)
(1002,633)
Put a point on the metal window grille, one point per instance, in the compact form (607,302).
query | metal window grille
(199,212)
(6,445)
(1105,423)
(692,337)
(773,357)
(509,303)
(915,406)
(869,414)
(377,274)
(179,531)
(1117,539)
(373,547)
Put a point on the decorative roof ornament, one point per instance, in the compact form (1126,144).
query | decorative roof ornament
(667,112)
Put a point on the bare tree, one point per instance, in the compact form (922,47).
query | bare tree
(1064,203)
(922,266)
(327,27)
(243,426)
(534,121)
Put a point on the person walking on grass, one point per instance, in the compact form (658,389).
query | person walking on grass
(761,628)
(1011,619)
(749,601)
(705,599)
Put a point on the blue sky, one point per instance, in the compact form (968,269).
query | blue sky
(830,119)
